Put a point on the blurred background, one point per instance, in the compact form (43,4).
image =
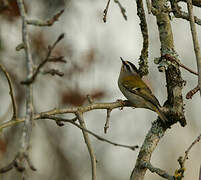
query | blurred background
(92,50)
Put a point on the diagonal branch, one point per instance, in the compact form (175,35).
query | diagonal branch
(174,60)
(143,60)
(50,49)
(195,41)
(49,22)
(88,144)
(193,91)
(158,171)
(178,13)
(123,10)
(105,12)
(11,91)
(58,119)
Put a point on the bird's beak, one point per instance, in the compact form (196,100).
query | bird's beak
(123,62)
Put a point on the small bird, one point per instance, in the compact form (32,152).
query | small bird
(136,90)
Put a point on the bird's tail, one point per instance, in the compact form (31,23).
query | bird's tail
(161,115)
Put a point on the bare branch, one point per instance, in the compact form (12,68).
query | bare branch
(26,134)
(158,171)
(50,49)
(123,10)
(151,140)
(73,110)
(190,147)
(107,120)
(190,94)
(7,168)
(59,59)
(143,60)
(176,9)
(179,174)
(49,22)
(54,72)
(18,163)
(88,144)
(195,41)
(58,119)
(11,91)
(174,60)
(20,46)
(105,12)
(90,100)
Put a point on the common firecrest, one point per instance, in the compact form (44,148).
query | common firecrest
(136,90)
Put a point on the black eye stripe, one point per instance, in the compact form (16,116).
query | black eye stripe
(128,67)
(132,66)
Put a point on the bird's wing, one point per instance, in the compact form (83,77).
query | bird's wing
(141,89)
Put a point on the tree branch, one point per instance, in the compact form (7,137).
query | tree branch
(123,10)
(105,12)
(158,171)
(195,41)
(174,60)
(50,49)
(11,91)
(151,140)
(58,119)
(176,9)
(143,60)
(88,144)
(174,103)
(190,94)
(26,134)
(49,22)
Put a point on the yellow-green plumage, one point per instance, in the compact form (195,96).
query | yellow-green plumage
(136,91)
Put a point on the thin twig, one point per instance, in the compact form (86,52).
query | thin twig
(172,59)
(86,108)
(50,49)
(133,148)
(105,12)
(20,46)
(53,72)
(143,60)
(90,100)
(59,59)
(123,10)
(158,171)
(49,22)
(7,168)
(18,163)
(195,41)
(11,91)
(179,174)
(190,94)
(181,14)
(190,147)
(88,144)
(107,120)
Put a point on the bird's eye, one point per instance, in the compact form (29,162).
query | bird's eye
(127,67)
